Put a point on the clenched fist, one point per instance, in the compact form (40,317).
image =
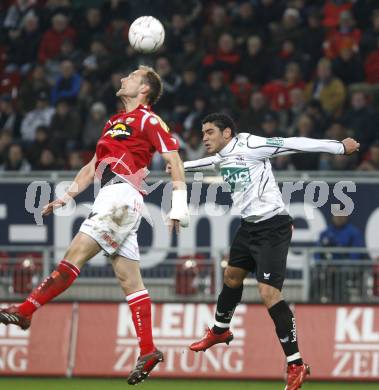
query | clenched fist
(351,145)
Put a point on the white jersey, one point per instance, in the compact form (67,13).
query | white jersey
(244,163)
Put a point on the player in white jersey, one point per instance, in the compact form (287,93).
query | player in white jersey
(262,241)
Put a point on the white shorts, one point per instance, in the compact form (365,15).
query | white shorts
(114,220)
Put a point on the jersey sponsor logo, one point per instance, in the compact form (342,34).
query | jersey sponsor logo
(237,178)
(119,131)
(275,141)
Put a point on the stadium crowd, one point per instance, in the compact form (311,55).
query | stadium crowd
(280,68)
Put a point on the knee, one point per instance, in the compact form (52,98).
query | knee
(270,295)
(232,279)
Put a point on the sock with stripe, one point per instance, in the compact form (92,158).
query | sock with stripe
(227,302)
(140,306)
(285,326)
(58,281)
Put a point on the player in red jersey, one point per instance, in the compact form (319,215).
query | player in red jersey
(123,152)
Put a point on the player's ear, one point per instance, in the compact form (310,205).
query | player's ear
(227,132)
(144,89)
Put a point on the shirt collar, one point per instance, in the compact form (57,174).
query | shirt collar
(229,146)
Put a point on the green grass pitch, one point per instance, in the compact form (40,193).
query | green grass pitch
(168,384)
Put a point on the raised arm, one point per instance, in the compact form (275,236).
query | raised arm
(82,180)
(271,147)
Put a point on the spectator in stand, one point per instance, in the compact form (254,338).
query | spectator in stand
(372,66)
(362,119)
(74,161)
(332,11)
(5,142)
(47,161)
(245,24)
(337,131)
(108,93)
(341,234)
(371,35)
(171,83)
(345,36)
(67,52)
(86,97)
(277,91)
(176,32)
(190,56)
(241,89)
(16,13)
(289,29)
(94,125)
(348,66)
(312,39)
(65,127)
(270,126)
(67,85)
(327,88)
(21,54)
(225,58)
(10,119)
(116,37)
(305,127)
(270,12)
(194,147)
(31,86)
(90,28)
(372,163)
(255,61)
(220,98)
(186,93)
(40,116)
(52,39)
(337,163)
(250,121)
(15,160)
(198,111)
(320,117)
(217,25)
(41,142)
(98,64)
(290,116)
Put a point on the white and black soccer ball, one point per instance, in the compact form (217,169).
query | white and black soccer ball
(146,34)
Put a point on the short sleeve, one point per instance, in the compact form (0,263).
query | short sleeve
(159,135)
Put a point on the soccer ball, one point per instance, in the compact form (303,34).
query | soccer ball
(146,34)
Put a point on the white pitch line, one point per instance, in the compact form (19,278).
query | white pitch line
(179,342)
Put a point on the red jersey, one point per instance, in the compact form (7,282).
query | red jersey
(129,140)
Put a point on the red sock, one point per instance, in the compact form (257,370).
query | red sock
(58,281)
(140,305)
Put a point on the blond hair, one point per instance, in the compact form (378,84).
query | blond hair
(153,80)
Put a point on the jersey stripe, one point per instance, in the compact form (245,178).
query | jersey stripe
(163,145)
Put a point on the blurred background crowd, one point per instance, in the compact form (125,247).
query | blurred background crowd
(279,67)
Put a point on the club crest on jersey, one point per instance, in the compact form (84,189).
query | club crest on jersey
(119,131)
(237,178)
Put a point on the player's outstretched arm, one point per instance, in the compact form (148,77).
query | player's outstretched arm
(82,180)
(203,164)
(179,214)
(272,147)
